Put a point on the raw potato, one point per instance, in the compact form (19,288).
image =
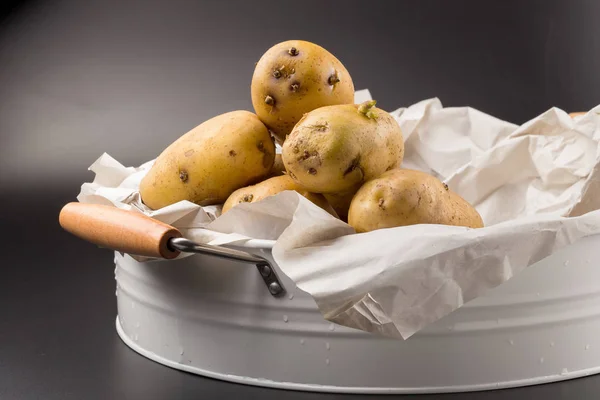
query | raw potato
(271,187)
(341,202)
(293,78)
(336,148)
(406,197)
(278,167)
(211,161)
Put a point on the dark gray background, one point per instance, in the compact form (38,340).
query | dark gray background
(79,78)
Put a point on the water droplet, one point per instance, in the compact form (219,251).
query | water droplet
(302,341)
(331,327)
(511,342)
(564,371)
(181,351)
(450,327)
(291,296)
(117,292)
(327,361)
(327,345)
(538,294)
(587,346)
(551,344)
(541,360)
(136,337)
(566,263)
(285,318)
(137,324)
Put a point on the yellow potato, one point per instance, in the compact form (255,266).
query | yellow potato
(208,163)
(271,187)
(406,197)
(293,78)
(336,148)
(278,167)
(341,201)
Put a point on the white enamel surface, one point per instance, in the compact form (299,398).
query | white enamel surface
(215,318)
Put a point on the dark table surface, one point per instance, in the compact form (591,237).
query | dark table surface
(81,78)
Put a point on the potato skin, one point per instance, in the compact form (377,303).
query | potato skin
(271,187)
(298,77)
(278,167)
(341,201)
(336,148)
(407,197)
(209,162)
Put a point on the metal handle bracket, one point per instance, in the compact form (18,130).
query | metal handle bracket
(265,269)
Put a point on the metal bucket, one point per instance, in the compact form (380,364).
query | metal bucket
(215,317)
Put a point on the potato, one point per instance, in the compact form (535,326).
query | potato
(341,201)
(336,148)
(278,167)
(208,163)
(406,197)
(293,78)
(271,187)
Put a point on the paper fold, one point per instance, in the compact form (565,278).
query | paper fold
(537,187)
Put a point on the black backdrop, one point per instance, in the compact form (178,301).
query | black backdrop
(78,78)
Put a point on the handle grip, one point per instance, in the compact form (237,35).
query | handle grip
(119,230)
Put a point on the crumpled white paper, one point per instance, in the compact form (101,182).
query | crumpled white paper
(536,186)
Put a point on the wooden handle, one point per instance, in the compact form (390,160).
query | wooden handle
(120,230)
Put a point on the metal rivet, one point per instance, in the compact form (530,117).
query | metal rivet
(264,270)
(274,288)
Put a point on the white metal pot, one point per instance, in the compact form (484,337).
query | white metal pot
(215,317)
